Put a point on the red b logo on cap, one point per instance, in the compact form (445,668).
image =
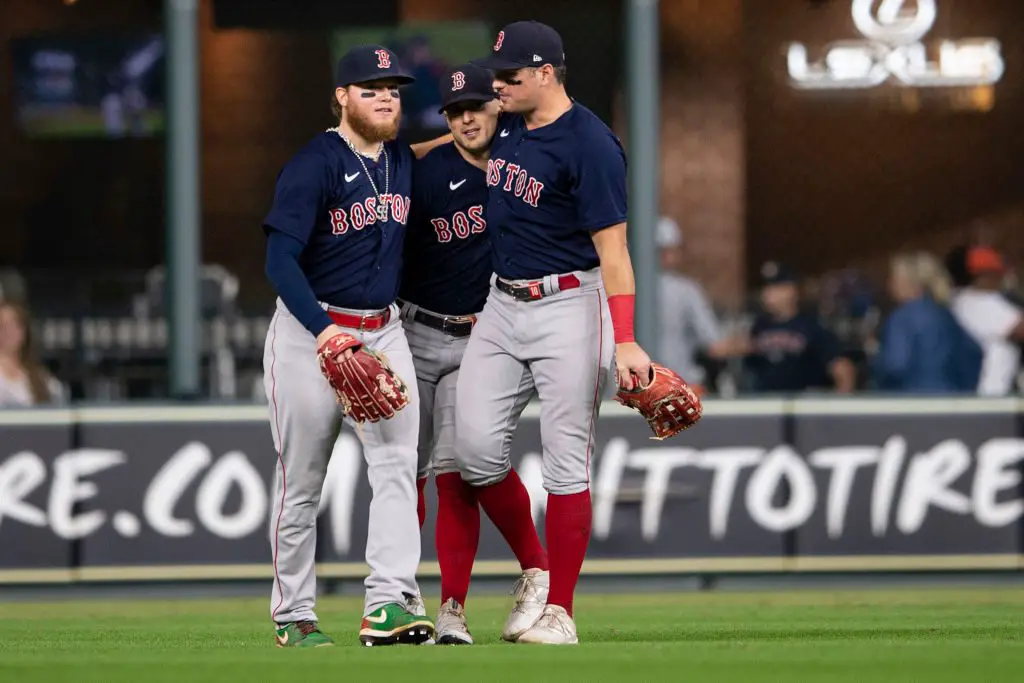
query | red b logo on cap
(501,39)
(458,81)
(383,59)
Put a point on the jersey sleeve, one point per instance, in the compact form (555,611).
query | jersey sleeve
(299,197)
(600,182)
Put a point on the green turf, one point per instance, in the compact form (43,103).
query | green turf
(899,635)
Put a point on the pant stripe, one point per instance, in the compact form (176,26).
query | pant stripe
(597,379)
(280,460)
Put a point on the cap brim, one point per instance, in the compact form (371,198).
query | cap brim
(496,63)
(467,97)
(401,78)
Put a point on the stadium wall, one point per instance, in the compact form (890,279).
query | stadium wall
(182,493)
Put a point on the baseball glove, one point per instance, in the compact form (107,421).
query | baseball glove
(668,404)
(368,389)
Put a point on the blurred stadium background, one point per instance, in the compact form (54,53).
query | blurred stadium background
(785,164)
(831,183)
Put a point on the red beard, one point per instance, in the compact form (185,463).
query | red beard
(368,130)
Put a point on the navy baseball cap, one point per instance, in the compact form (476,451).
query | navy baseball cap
(466,83)
(773,273)
(525,43)
(365,63)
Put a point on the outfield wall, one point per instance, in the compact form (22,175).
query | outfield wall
(177,493)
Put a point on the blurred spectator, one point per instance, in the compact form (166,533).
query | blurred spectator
(923,348)
(956,265)
(24,381)
(790,350)
(847,307)
(422,99)
(688,324)
(993,320)
(12,285)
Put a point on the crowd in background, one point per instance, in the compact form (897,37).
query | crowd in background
(944,326)
(949,325)
(24,380)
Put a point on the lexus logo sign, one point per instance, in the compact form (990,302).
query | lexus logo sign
(891,50)
(894,23)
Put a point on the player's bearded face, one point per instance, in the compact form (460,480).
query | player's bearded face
(373,110)
(473,124)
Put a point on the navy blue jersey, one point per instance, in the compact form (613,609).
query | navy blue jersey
(448,258)
(791,355)
(550,188)
(323,198)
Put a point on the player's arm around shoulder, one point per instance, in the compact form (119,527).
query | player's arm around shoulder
(421,149)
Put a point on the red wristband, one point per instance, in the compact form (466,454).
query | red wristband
(621,308)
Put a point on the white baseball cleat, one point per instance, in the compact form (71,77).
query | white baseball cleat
(531,591)
(555,627)
(450,625)
(414,603)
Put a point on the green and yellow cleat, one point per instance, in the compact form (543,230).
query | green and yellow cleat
(393,624)
(301,634)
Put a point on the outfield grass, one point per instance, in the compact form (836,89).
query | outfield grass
(899,635)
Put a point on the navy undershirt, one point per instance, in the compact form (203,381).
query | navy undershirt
(285,273)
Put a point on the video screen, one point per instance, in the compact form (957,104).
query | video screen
(94,86)
(427,50)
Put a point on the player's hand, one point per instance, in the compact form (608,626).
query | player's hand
(632,366)
(331,331)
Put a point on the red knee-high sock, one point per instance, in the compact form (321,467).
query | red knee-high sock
(567,529)
(421,501)
(457,534)
(507,503)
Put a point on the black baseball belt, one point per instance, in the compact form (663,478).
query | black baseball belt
(453,325)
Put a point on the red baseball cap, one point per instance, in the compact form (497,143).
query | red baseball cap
(984,260)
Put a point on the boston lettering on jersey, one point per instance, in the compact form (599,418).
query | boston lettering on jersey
(352,259)
(516,181)
(549,189)
(447,256)
(462,224)
(359,215)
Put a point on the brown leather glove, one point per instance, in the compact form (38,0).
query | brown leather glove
(667,403)
(366,386)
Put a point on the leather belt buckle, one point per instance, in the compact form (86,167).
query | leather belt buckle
(530,291)
(458,326)
(362,322)
(375,321)
(534,289)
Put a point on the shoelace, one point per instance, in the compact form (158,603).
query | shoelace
(451,618)
(525,590)
(553,622)
(452,608)
(307,627)
(412,601)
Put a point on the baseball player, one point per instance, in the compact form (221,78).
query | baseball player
(445,283)
(334,254)
(558,318)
